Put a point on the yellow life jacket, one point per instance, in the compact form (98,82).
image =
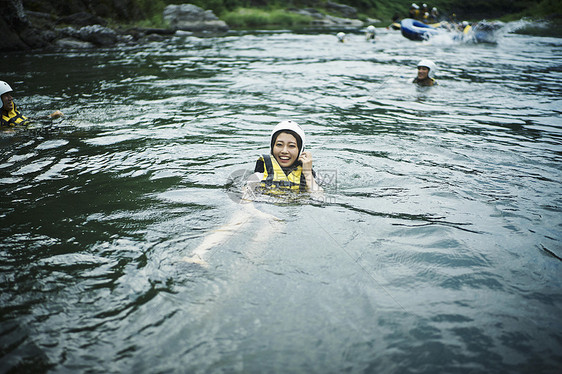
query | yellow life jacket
(275,179)
(13,118)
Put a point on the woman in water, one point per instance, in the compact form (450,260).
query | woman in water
(288,168)
(11,116)
(426,73)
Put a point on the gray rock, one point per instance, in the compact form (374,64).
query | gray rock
(190,17)
(68,32)
(370,21)
(98,35)
(37,38)
(95,35)
(71,43)
(310,12)
(346,11)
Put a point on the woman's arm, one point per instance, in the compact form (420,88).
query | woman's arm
(311,185)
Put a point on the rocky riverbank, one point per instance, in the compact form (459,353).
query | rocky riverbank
(25,30)
(83,27)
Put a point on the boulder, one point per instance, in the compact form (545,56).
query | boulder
(98,35)
(345,11)
(138,33)
(37,38)
(310,12)
(94,35)
(190,17)
(71,43)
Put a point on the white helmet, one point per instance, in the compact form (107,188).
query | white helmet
(430,65)
(371,29)
(290,126)
(4,88)
(341,36)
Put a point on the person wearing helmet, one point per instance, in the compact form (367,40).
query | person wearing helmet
(426,73)
(341,37)
(370,33)
(464,26)
(288,166)
(11,116)
(414,11)
(434,15)
(424,9)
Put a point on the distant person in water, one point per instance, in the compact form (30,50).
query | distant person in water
(426,73)
(341,37)
(11,116)
(287,167)
(370,33)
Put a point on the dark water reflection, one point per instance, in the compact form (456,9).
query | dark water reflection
(437,250)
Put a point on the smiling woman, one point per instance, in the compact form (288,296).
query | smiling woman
(286,169)
(426,73)
(290,167)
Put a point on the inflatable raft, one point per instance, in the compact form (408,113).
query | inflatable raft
(416,30)
(486,32)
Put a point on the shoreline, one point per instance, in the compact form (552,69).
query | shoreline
(40,30)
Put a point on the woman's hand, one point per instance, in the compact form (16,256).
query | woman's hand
(306,159)
(311,185)
(56,114)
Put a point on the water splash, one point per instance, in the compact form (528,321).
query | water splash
(480,32)
(533,27)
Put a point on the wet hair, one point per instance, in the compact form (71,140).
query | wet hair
(290,132)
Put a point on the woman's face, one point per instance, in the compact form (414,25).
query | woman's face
(285,149)
(422,72)
(7,101)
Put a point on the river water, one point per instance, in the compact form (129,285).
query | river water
(436,248)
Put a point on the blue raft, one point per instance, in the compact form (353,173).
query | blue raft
(416,30)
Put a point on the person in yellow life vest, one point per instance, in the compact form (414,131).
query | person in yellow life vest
(424,10)
(11,116)
(426,73)
(288,166)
